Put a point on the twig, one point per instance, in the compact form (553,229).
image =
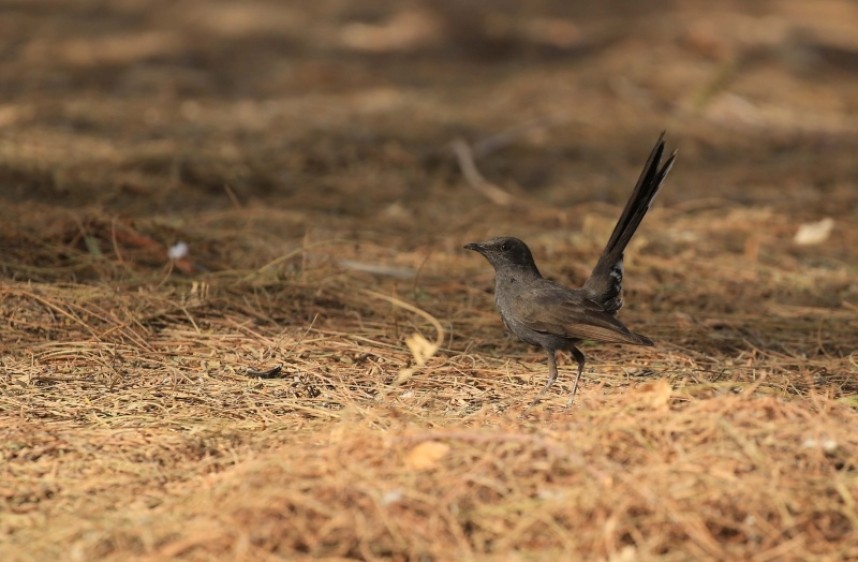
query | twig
(465,156)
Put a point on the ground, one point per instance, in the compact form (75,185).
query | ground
(324,163)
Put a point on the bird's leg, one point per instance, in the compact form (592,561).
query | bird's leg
(552,376)
(579,357)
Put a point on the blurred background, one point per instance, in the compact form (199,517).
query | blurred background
(336,118)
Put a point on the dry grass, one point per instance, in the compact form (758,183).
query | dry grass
(309,169)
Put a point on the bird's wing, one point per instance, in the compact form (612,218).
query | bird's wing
(552,309)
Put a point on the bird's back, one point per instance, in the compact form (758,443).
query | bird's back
(545,313)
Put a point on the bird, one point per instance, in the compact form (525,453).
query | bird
(544,313)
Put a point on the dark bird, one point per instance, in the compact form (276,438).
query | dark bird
(544,313)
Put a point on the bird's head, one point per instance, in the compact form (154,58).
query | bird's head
(504,253)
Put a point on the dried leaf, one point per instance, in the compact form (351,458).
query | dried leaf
(426,455)
(814,232)
(421,348)
(655,394)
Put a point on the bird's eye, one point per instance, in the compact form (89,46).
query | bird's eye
(505,247)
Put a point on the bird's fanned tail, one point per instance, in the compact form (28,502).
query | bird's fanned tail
(605,285)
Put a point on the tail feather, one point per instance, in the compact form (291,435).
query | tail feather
(605,285)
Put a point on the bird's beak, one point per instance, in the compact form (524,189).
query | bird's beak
(474,246)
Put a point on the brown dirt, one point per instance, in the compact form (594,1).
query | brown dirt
(304,155)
